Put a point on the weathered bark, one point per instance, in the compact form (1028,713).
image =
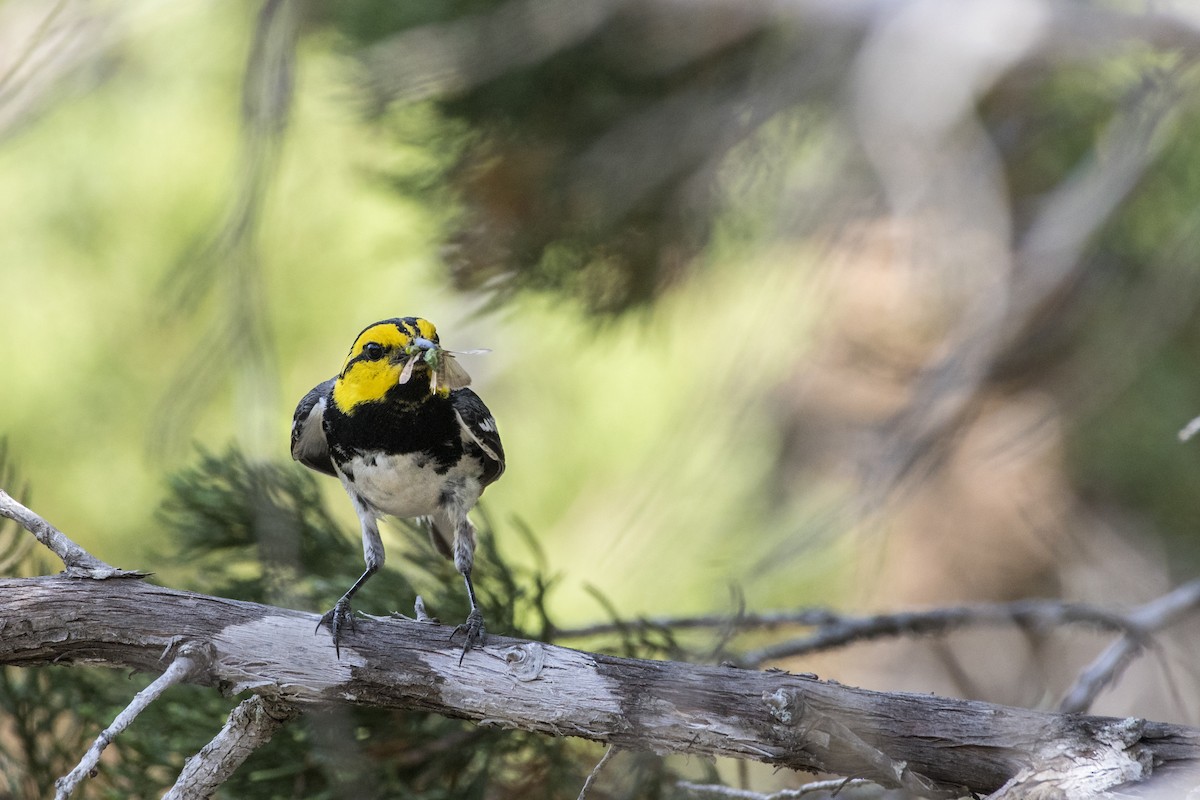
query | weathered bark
(925,743)
(250,726)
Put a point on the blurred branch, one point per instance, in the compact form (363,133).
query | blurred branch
(1189,430)
(948,164)
(438,60)
(1050,254)
(43,47)
(600,129)
(35,42)
(595,773)
(238,341)
(840,631)
(1141,622)
(268,87)
(837,630)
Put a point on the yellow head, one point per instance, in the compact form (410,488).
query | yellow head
(378,358)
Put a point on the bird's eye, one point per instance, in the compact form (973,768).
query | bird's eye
(373,351)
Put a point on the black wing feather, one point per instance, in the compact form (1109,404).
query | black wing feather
(309,445)
(481,426)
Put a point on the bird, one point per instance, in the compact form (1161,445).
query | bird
(406,437)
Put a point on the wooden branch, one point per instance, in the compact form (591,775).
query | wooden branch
(926,743)
(192,658)
(828,788)
(1143,621)
(250,726)
(838,630)
(79,563)
(834,630)
(595,773)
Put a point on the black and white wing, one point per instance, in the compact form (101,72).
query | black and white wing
(480,427)
(309,445)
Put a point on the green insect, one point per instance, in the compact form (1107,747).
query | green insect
(444,370)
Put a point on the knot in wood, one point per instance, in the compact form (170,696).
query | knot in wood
(525,661)
(786,706)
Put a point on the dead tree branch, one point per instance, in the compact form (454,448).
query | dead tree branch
(930,746)
(79,563)
(1143,621)
(841,629)
(841,788)
(835,630)
(251,725)
(191,659)
(895,739)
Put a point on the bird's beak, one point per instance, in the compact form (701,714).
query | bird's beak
(424,346)
(415,349)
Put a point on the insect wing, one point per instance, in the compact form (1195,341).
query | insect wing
(406,373)
(452,374)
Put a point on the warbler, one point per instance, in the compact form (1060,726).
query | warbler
(406,438)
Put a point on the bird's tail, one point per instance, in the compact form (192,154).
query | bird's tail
(437,537)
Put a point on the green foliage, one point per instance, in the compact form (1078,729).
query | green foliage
(53,714)
(15,544)
(1131,330)
(639,116)
(254,531)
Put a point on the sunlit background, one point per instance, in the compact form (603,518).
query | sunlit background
(872,306)
(640,448)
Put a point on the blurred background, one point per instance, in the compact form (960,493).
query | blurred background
(867,305)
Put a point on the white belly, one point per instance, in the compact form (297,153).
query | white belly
(404,486)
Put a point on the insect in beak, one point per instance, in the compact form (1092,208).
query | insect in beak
(445,373)
(448,373)
(421,349)
(406,373)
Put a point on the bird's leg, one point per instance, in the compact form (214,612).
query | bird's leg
(464,559)
(341,617)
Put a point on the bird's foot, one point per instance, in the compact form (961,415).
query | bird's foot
(339,618)
(474,632)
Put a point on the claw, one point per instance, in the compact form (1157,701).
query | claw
(474,632)
(338,618)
